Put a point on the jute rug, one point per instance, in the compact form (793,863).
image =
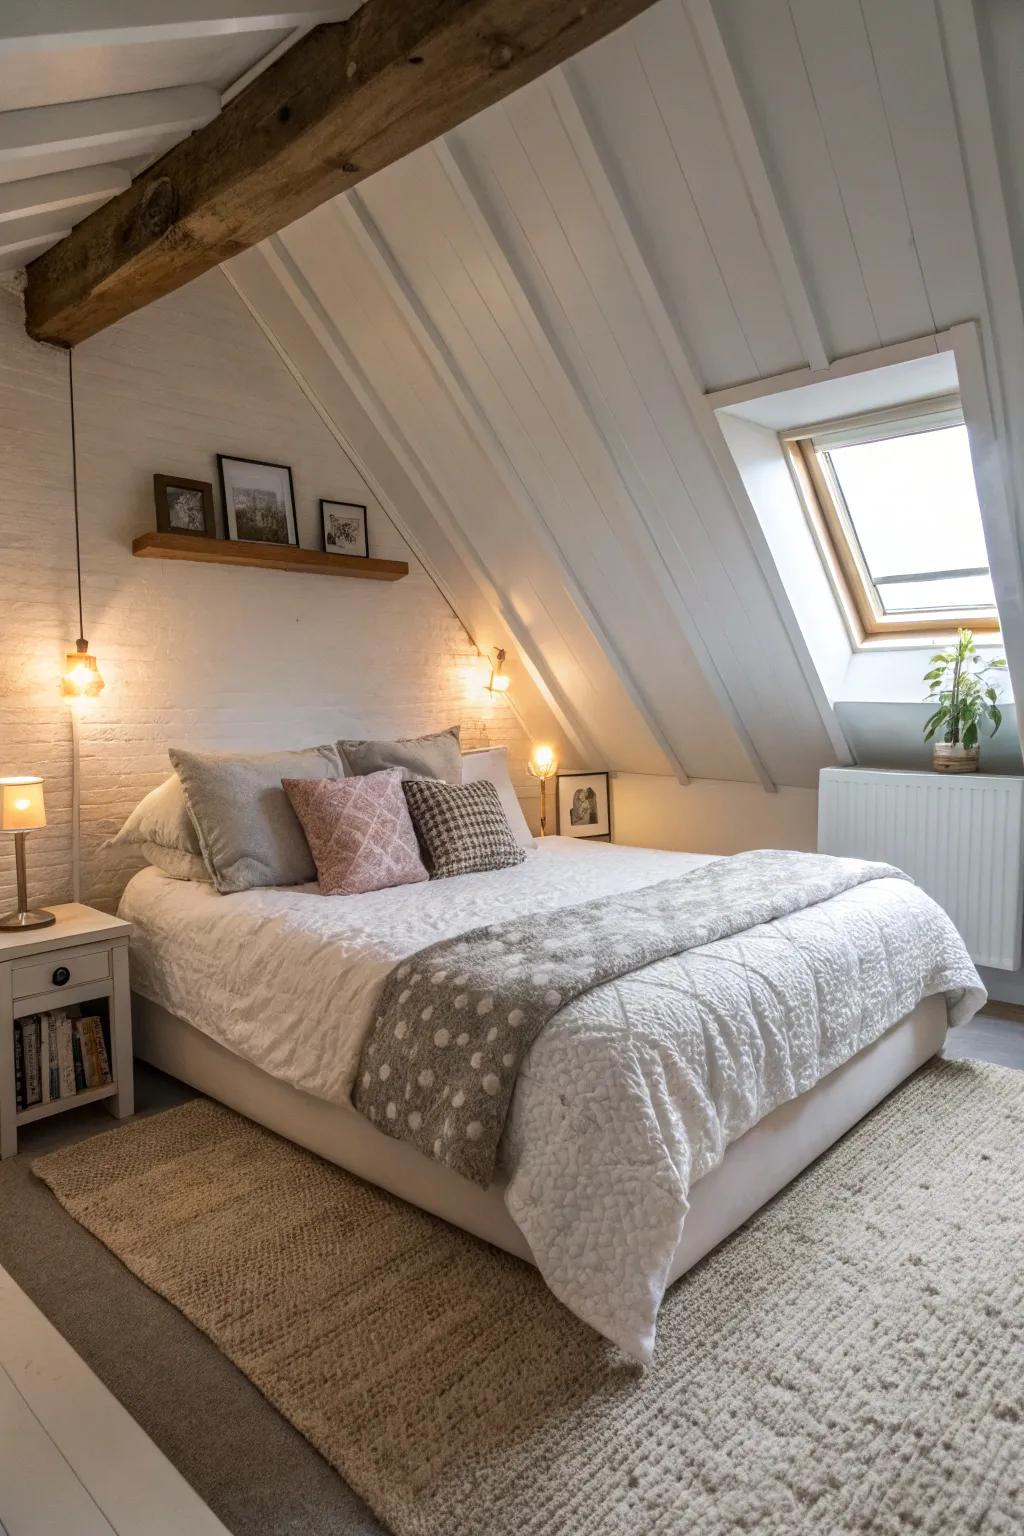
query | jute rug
(852,1361)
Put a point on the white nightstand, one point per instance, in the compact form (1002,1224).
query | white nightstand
(81,959)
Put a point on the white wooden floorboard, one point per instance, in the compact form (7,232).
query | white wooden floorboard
(71,1458)
(39,1492)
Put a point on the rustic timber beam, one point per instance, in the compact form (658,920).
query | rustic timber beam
(349,99)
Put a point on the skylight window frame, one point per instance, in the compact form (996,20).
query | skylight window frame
(833,529)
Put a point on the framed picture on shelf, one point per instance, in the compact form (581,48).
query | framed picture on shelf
(584,809)
(184,506)
(259,501)
(344,528)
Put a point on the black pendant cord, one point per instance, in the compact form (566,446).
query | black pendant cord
(74,482)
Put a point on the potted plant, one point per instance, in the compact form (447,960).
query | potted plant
(959,687)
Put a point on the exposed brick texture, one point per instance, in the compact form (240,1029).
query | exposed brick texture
(192,655)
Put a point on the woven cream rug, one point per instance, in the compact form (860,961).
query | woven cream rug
(852,1361)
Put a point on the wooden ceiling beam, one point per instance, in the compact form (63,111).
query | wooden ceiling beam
(349,99)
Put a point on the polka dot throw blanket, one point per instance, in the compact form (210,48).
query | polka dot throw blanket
(454,1022)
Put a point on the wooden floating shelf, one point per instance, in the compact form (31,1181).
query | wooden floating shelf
(267,557)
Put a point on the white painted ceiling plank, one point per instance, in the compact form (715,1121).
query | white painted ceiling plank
(34,228)
(1003,330)
(907,54)
(837,55)
(678,77)
(622,499)
(33,25)
(19,252)
(612,88)
(63,189)
(601,309)
(580,683)
(480,424)
(762,45)
(109,120)
(264,278)
(762,194)
(689,385)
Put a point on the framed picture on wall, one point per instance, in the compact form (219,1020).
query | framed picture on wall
(584,809)
(344,528)
(259,501)
(184,506)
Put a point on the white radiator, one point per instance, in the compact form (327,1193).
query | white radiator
(959,837)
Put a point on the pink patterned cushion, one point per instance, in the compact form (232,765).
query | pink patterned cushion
(359,831)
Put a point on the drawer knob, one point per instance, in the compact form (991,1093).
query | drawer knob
(61,976)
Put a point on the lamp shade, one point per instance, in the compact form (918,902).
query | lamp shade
(21,804)
(543,763)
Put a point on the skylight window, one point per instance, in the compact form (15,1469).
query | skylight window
(893,503)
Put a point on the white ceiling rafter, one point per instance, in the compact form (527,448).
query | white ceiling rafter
(34,195)
(762,194)
(685,374)
(361,222)
(289,275)
(109,121)
(38,25)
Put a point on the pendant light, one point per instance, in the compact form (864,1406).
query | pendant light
(82,679)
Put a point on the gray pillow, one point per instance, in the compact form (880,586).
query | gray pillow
(161,829)
(427,757)
(248,832)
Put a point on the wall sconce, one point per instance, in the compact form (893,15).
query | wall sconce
(543,765)
(500,680)
(82,678)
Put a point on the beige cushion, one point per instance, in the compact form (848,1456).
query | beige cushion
(426,757)
(161,829)
(491,763)
(248,832)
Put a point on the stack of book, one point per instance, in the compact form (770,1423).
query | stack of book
(57,1055)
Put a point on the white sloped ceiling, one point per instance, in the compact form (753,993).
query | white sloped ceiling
(517,329)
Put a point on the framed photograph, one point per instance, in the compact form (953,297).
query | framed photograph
(344,528)
(184,506)
(583,805)
(259,501)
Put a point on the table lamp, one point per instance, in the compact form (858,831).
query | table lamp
(543,765)
(22,811)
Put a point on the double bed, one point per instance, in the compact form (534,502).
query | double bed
(650,1117)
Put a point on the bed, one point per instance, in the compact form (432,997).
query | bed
(263,1000)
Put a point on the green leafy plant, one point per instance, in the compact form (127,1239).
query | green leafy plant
(959,686)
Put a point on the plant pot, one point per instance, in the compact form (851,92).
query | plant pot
(953,757)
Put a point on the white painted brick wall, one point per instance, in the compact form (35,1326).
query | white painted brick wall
(192,655)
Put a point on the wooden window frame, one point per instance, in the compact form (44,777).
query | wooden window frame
(833,529)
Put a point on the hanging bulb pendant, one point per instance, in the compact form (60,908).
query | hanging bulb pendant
(82,678)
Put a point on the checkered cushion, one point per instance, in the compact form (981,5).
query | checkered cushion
(461,827)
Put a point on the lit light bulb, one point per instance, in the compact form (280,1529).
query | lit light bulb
(22,805)
(499,680)
(543,759)
(81,678)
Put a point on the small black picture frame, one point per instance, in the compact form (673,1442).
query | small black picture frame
(259,500)
(583,804)
(184,506)
(343,529)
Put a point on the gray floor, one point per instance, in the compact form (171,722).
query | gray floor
(252,1468)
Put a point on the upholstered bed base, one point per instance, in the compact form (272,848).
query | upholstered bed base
(754,1168)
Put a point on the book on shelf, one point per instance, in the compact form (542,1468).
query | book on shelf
(57,1055)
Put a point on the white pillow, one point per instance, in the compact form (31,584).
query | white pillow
(161,829)
(492,763)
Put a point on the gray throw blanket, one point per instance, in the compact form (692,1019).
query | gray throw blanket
(455,1021)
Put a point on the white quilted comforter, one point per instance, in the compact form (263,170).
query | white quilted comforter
(631,1093)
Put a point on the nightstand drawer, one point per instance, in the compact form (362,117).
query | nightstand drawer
(60,968)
